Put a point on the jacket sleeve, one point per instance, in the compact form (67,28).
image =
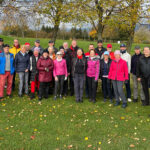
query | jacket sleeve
(110,70)
(28,63)
(132,65)
(100,70)
(97,70)
(66,73)
(54,70)
(138,70)
(126,71)
(39,66)
(51,66)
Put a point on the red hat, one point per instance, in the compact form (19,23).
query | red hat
(109,46)
(27,44)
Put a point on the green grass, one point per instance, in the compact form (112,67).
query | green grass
(64,124)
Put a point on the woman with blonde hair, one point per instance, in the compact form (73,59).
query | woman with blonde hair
(52,54)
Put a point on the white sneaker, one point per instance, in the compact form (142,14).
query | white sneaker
(129,100)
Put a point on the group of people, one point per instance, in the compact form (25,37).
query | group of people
(52,71)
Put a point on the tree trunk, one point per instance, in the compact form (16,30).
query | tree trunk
(100,31)
(55,31)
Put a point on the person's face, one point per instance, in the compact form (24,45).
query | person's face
(65,45)
(36,53)
(91,47)
(62,51)
(109,49)
(45,55)
(106,57)
(92,54)
(137,51)
(28,47)
(6,50)
(1,43)
(51,44)
(79,53)
(16,42)
(146,51)
(100,45)
(117,56)
(23,49)
(37,44)
(122,48)
(74,43)
(59,56)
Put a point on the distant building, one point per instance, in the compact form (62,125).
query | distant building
(138,26)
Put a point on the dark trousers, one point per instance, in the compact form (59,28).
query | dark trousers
(144,82)
(71,84)
(44,89)
(128,89)
(65,89)
(78,86)
(59,85)
(92,87)
(86,87)
(13,84)
(52,85)
(106,88)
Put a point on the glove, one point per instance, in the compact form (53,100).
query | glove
(65,78)
(126,81)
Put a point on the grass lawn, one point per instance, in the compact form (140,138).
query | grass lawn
(64,124)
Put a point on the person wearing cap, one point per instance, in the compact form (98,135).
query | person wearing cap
(104,70)
(60,74)
(127,57)
(143,73)
(100,49)
(45,68)
(34,72)
(1,45)
(37,44)
(79,71)
(73,54)
(51,44)
(136,83)
(66,56)
(6,70)
(14,50)
(109,49)
(118,73)
(92,72)
(22,66)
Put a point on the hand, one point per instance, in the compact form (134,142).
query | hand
(139,79)
(68,74)
(65,78)
(46,69)
(56,79)
(26,70)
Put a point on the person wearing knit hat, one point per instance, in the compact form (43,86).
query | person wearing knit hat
(118,73)
(104,70)
(109,49)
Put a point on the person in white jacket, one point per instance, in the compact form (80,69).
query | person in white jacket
(127,57)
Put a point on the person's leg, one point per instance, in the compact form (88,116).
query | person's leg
(56,87)
(26,83)
(144,82)
(21,82)
(142,92)
(104,88)
(9,83)
(135,88)
(121,92)
(2,84)
(114,82)
(41,89)
(94,89)
(109,89)
(81,87)
(71,85)
(46,85)
(128,89)
(13,84)
(62,78)
(76,87)
(86,88)
(32,86)
(89,79)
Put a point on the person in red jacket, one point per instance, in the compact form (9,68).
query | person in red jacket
(118,73)
(45,68)
(111,54)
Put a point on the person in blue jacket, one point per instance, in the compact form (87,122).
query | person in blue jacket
(6,70)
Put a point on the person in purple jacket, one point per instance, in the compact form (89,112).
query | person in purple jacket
(93,68)
(60,74)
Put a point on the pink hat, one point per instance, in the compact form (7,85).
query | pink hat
(117,52)
(36,49)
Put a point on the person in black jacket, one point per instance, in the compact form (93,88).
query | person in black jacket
(34,72)
(66,56)
(134,61)
(51,44)
(78,73)
(143,73)
(22,66)
(1,45)
(100,49)
(104,70)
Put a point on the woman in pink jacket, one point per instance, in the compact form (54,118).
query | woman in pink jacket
(60,74)
(93,68)
(118,73)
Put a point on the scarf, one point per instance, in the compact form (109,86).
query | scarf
(59,59)
(122,52)
(79,57)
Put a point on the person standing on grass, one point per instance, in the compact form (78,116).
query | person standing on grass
(37,44)
(66,56)
(134,61)
(78,72)
(65,46)
(22,66)
(73,54)
(60,74)
(51,44)
(1,45)
(118,73)
(104,70)
(34,72)
(93,66)
(14,50)
(109,49)
(6,71)
(100,49)
(143,73)
(45,68)
(127,57)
